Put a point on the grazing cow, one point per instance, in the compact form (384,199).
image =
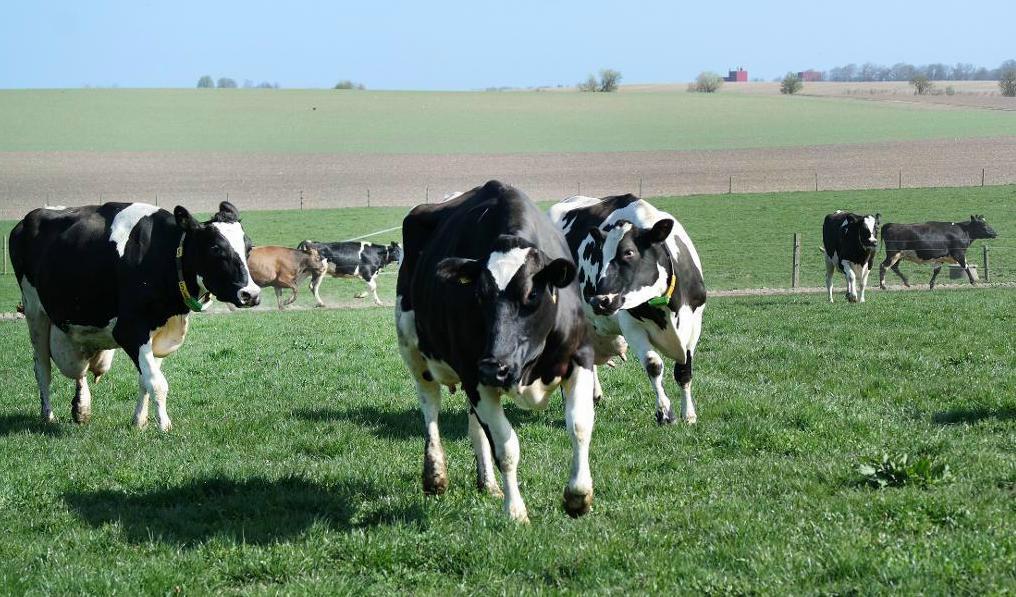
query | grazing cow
(641,278)
(851,242)
(282,267)
(487,299)
(122,275)
(931,242)
(353,259)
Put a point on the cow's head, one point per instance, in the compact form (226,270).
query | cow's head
(632,265)
(393,253)
(980,229)
(516,290)
(864,229)
(216,251)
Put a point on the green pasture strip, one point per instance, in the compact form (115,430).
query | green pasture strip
(326,121)
(294,464)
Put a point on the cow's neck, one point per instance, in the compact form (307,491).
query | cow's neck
(191,293)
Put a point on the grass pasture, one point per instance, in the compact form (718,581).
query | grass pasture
(294,465)
(358,122)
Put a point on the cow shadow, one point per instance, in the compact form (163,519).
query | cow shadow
(405,424)
(958,416)
(31,424)
(252,511)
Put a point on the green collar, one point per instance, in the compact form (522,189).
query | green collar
(192,303)
(664,299)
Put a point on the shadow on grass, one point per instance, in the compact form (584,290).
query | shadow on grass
(15,424)
(957,416)
(253,511)
(401,425)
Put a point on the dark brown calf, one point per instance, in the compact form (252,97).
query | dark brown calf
(282,267)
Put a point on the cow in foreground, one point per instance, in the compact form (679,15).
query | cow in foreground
(282,267)
(353,259)
(931,242)
(487,299)
(122,275)
(851,242)
(641,278)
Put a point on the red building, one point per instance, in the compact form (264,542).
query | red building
(737,76)
(810,76)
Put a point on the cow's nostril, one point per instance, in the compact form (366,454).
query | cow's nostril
(245,297)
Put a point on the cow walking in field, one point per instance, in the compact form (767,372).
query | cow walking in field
(850,241)
(487,299)
(353,259)
(931,242)
(641,279)
(282,267)
(122,275)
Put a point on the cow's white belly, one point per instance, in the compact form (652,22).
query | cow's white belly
(912,256)
(90,340)
(535,396)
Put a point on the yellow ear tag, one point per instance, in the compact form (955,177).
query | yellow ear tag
(464,280)
(553,297)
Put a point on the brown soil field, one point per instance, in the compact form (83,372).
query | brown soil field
(275,181)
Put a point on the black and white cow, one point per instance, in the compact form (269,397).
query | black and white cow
(931,242)
(122,275)
(487,299)
(641,278)
(851,242)
(353,259)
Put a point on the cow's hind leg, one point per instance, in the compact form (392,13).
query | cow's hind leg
(934,274)
(683,367)
(372,284)
(39,327)
(597,388)
(578,416)
(486,480)
(505,443)
(830,268)
(81,406)
(278,297)
(315,287)
(961,260)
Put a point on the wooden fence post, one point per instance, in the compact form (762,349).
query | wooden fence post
(795,279)
(301,200)
(730,185)
(368,196)
(816,181)
(4,256)
(426,194)
(640,187)
(982,177)
(901,179)
(988,276)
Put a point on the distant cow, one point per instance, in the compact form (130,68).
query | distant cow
(931,242)
(353,259)
(640,277)
(851,242)
(487,299)
(282,267)
(122,275)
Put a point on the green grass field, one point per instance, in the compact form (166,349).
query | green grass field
(294,465)
(745,241)
(322,121)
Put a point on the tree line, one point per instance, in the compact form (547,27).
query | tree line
(207,82)
(902,71)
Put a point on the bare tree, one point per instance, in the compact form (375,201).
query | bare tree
(1007,82)
(609,78)
(589,85)
(921,84)
(706,82)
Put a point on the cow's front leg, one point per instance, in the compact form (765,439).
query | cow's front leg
(934,274)
(435,473)
(848,272)
(578,417)
(278,297)
(372,285)
(638,339)
(865,270)
(81,406)
(597,388)
(315,287)
(961,260)
(485,478)
(505,443)
(141,410)
(151,383)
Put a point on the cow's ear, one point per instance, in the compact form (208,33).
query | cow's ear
(598,236)
(183,219)
(458,270)
(973,218)
(227,213)
(661,231)
(559,273)
(878,217)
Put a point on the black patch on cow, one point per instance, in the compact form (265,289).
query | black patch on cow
(353,258)
(647,312)
(845,235)
(654,367)
(682,371)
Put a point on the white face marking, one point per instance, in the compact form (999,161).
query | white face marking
(504,266)
(641,295)
(233,233)
(869,225)
(610,246)
(125,221)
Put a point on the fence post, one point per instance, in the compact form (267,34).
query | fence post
(426,194)
(982,177)
(730,185)
(988,276)
(901,179)
(640,187)
(156,200)
(4,256)
(368,196)
(301,200)
(816,181)
(795,279)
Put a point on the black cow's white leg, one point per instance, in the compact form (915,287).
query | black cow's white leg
(141,410)
(505,443)
(372,285)
(961,260)
(830,268)
(934,274)
(653,364)
(81,406)
(315,287)
(152,383)
(848,272)
(435,473)
(578,392)
(39,327)
(486,480)
(597,388)
(689,330)
(865,270)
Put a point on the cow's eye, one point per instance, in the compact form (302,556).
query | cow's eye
(629,254)
(533,296)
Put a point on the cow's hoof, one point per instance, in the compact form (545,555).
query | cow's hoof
(81,417)
(139,423)
(577,504)
(665,418)
(47,417)
(434,482)
(597,399)
(691,419)
(166,427)
(491,489)
(360,295)
(319,305)
(518,514)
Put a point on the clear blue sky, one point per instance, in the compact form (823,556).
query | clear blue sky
(476,44)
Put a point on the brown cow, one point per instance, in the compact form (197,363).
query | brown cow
(282,267)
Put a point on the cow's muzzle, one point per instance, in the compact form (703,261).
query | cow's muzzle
(249,298)
(494,373)
(605,304)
